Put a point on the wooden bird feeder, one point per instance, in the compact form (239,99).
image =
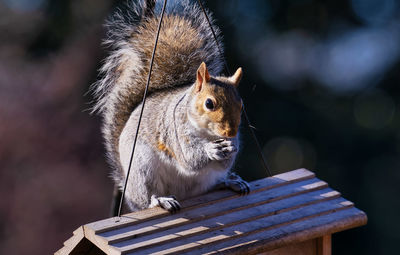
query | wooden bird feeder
(290,213)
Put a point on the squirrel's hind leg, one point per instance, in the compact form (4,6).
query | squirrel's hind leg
(168,203)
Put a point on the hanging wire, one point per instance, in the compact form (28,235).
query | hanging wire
(143,103)
(264,161)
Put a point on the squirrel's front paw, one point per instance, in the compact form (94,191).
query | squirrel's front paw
(168,203)
(239,186)
(235,183)
(220,149)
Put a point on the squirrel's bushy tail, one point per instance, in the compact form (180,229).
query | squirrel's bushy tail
(185,41)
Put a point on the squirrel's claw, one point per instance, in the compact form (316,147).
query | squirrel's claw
(220,149)
(168,203)
(235,183)
(239,186)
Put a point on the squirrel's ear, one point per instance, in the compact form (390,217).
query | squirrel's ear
(202,76)
(235,79)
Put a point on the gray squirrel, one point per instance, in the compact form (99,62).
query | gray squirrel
(188,138)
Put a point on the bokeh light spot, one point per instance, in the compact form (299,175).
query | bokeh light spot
(287,153)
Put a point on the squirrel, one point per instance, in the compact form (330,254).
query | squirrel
(188,139)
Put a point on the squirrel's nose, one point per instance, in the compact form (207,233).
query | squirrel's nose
(229,133)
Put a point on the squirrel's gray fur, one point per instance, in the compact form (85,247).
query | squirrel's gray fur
(172,156)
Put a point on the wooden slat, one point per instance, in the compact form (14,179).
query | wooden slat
(211,211)
(273,223)
(297,232)
(72,242)
(65,250)
(227,220)
(99,242)
(297,175)
(210,198)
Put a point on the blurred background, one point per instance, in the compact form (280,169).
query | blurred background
(321,86)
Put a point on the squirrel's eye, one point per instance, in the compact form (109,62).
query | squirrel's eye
(209,104)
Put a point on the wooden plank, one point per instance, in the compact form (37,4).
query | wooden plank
(324,245)
(223,221)
(292,233)
(308,247)
(273,223)
(63,251)
(78,231)
(210,198)
(298,174)
(256,186)
(73,241)
(100,242)
(76,237)
(211,211)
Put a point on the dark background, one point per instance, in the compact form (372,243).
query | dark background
(321,85)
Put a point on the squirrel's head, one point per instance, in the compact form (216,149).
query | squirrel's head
(217,105)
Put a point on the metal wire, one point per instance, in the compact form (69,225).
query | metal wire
(143,103)
(264,161)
